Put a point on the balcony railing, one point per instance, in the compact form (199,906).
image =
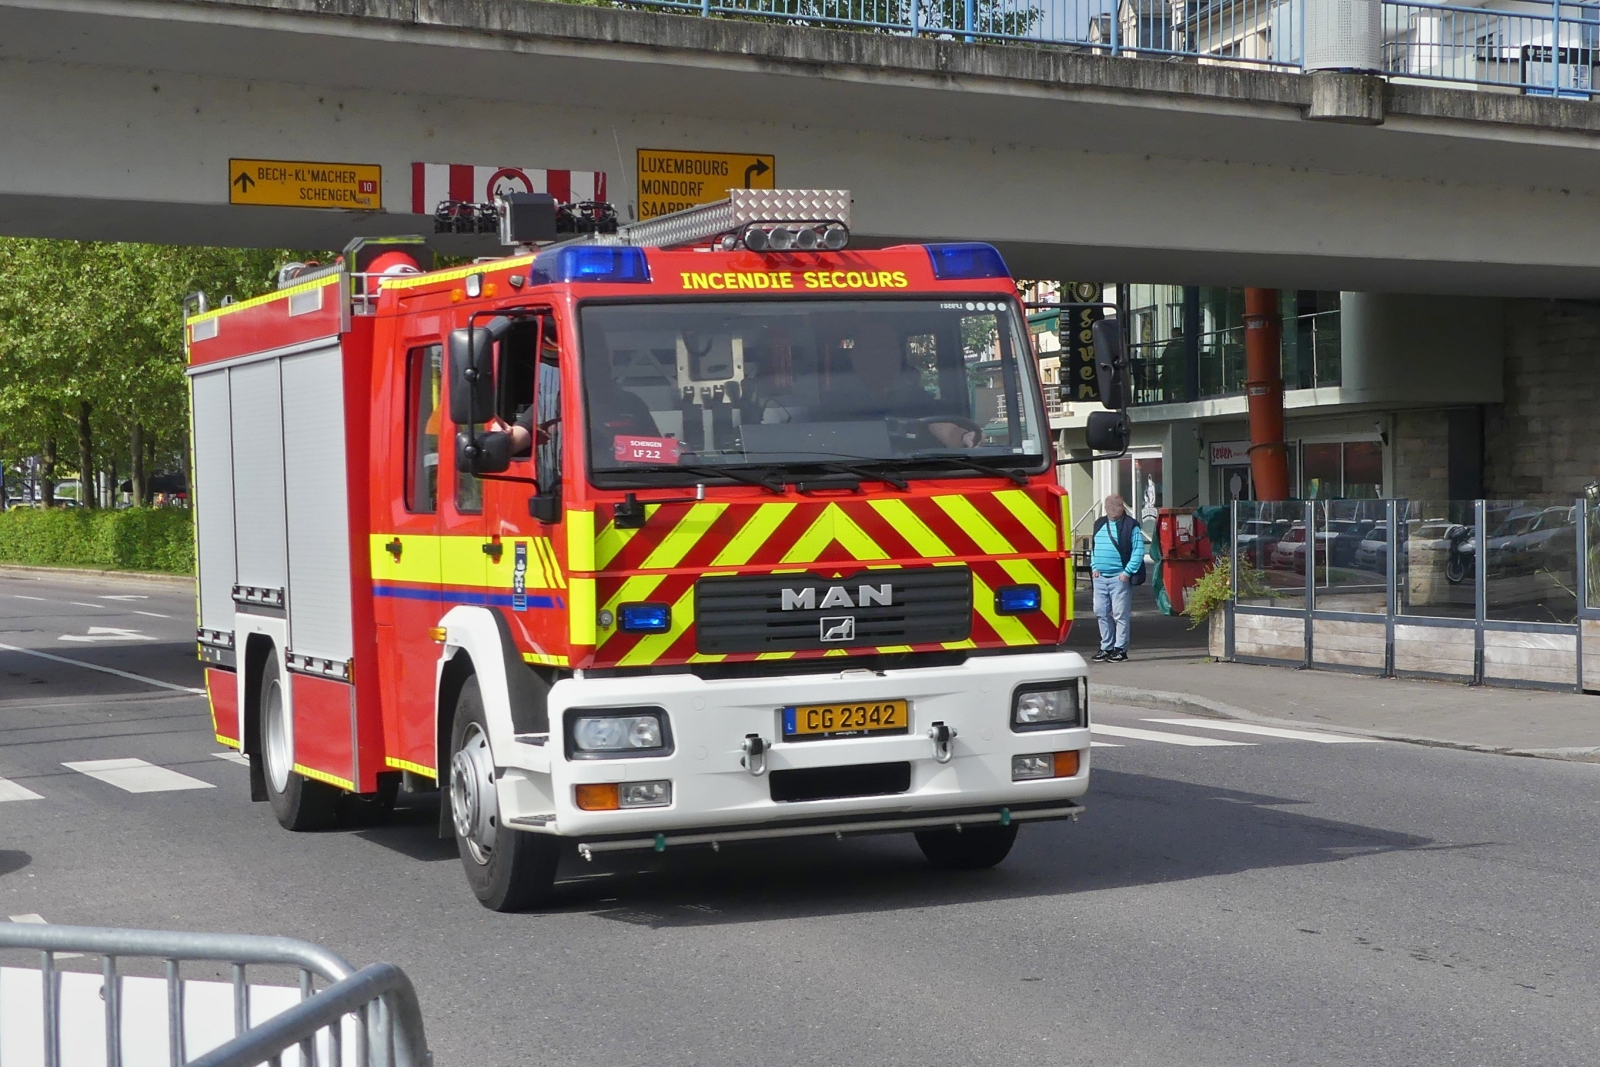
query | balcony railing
(1529,46)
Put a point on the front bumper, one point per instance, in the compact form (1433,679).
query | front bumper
(710,719)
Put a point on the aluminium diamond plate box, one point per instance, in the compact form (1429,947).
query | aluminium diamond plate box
(742,207)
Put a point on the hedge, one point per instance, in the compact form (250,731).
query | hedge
(133,539)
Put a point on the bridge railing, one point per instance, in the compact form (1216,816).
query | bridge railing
(1537,47)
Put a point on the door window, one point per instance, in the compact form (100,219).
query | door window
(423,369)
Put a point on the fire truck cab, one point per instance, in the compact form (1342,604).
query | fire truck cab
(703,531)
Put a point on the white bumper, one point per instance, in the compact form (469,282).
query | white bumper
(711,788)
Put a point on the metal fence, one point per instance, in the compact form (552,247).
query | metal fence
(365,1018)
(1531,46)
(1480,590)
(1538,48)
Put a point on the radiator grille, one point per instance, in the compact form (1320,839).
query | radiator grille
(747,613)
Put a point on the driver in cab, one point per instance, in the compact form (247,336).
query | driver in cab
(882,386)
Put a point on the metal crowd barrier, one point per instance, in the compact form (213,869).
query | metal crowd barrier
(376,1003)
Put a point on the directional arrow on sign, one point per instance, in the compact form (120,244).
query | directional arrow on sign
(107,633)
(244,182)
(753,171)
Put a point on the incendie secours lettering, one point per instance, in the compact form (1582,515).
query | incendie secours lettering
(733,281)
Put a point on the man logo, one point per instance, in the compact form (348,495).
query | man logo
(837,597)
(839,628)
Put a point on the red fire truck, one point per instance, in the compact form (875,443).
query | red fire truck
(705,530)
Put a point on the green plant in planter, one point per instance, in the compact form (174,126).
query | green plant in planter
(1215,588)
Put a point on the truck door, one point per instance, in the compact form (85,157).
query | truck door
(405,549)
(524,505)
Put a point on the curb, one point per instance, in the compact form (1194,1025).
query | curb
(18,570)
(1216,709)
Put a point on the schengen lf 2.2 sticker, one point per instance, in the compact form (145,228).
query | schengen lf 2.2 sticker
(519,578)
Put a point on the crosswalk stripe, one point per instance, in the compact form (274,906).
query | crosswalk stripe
(136,775)
(233,757)
(10,790)
(1134,734)
(1270,731)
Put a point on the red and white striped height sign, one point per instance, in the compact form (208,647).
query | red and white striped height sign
(433,182)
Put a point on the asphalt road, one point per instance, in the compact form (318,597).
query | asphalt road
(1276,900)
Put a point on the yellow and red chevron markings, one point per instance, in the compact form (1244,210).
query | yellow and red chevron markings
(1005,537)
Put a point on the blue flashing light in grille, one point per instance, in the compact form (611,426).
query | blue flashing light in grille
(967,260)
(645,618)
(594,263)
(1016,599)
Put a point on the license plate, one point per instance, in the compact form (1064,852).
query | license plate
(808,721)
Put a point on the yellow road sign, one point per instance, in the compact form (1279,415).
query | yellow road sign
(288,183)
(671,180)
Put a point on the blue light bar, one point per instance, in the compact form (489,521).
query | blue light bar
(967,260)
(645,618)
(593,263)
(1016,599)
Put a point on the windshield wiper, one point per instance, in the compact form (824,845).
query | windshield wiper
(861,470)
(964,463)
(764,480)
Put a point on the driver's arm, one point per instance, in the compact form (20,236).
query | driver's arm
(954,434)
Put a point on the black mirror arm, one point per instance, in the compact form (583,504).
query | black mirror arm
(1093,459)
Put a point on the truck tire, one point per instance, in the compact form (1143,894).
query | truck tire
(300,803)
(970,849)
(509,870)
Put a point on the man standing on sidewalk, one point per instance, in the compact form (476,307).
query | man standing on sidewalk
(1116,555)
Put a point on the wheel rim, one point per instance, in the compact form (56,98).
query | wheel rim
(275,732)
(473,803)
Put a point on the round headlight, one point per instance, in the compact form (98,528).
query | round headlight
(598,735)
(781,238)
(755,239)
(644,732)
(807,239)
(835,237)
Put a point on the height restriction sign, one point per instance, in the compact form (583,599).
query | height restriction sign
(671,180)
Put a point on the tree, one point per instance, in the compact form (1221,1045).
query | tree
(91,347)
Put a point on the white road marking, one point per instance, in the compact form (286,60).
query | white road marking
(1103,744)
(78,604)
(122,596)
(40,599)
(107,633)
(136,776)
(152,614)
(208,1018)
(1270,731)
(1133,734)
(233,757)
(10,790)
(103,670)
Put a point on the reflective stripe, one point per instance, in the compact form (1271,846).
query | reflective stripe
(580,541)
(414,768)
(830,526)
(580,604)
(752,535)
(324,776)
(914,530)
(965,515)
(1031,515)
(683,536)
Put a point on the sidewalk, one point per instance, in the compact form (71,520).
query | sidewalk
(1523,722)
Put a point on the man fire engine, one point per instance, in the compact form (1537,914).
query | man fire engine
(705,530)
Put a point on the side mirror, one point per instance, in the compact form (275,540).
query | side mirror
(1108,431)
(1110,363)
(472,371)
(484,452)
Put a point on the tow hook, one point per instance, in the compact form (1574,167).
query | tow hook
(755,754)
(941,736)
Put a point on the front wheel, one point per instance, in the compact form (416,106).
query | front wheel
(509,870)
(300,803)
(971,848)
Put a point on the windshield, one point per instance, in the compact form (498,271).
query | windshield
(797,384)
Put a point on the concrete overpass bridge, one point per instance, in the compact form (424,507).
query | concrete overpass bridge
(118,119)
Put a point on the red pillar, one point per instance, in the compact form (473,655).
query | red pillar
(1263,355)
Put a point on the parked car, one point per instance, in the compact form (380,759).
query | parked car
(1258,537)
(1344,537)
(1373,552)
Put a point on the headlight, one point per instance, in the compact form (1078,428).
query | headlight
(619,732)
(1049,706)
